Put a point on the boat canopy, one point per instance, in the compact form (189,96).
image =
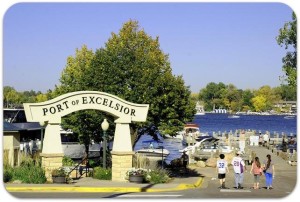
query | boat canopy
(190,125)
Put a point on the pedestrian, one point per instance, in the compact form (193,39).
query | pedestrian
(83,164)
(269,171)
(185,160)
(239,168)
(256,170)
(222,168)
(266,139)
(260,140)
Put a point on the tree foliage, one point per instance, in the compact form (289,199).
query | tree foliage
(288,38)
(15,99)
(131,66)
(234,99)
(86,124)
(259,103)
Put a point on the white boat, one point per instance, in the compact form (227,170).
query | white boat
(151,148)
(289,117)
(191,133)
(209,144)
(199,109)
(233,116)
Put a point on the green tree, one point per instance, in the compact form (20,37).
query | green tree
(131,66)
(212,95)
(86,124)
(287,92)
(11,97)
(259,103)
(247,95)
(232,98)
(288,38)
(269,94)
(41,97)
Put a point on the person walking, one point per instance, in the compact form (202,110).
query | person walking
(222,168)
(239,168)
(256,170)
(269,171)
(185,161)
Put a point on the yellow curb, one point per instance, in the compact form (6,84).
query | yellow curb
(103,189)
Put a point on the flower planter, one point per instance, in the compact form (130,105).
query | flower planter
(58,179)
(136,178)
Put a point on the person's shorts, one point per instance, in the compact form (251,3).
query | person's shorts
(256,178)
(221,175)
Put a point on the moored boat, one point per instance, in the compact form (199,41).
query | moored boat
(152,148)
(191,134)
(208,144)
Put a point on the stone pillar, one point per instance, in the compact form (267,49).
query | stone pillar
(52,152)
(51,162)
(121,163)
(122,151)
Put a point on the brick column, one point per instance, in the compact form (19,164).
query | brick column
(51,162)
(121,163)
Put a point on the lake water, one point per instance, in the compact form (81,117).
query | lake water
(210,123)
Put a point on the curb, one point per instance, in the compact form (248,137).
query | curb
(104,189)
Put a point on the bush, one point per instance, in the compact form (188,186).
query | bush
(59,172)
(29,174)
(158,176)
(67,161)
(93,163)
(101,173)
(7,174)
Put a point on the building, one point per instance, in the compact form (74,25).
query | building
(287,106)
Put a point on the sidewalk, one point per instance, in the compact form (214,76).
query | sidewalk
(89,184)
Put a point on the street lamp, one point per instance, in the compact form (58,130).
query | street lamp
(104,127)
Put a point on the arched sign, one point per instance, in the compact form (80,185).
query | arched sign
(51,111)
(81,100)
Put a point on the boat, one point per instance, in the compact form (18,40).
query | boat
(153,148)
(199,109)
(207,145)
(192,133)
(289,117)
(233,116)
(192,148)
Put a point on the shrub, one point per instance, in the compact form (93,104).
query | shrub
(59,172)
(67,161)
(93,163)
(158,176)
(101,173)
(29,174)
(7,174)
